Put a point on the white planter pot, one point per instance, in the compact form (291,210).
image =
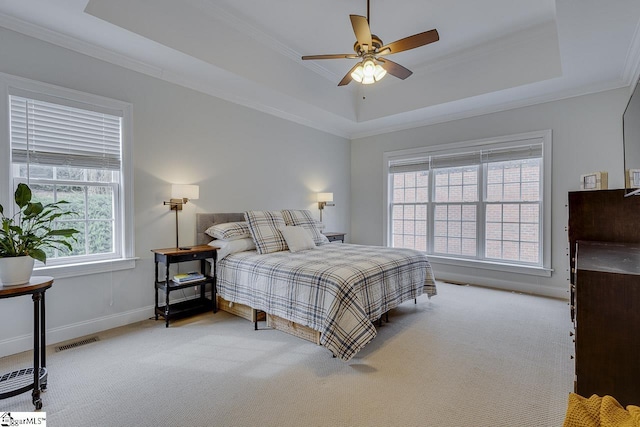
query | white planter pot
(15,271)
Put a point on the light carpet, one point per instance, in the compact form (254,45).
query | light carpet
(470,356)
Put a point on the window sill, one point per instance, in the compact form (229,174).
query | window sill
(85,268)
(495,266)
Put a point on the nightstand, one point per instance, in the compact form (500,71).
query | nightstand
(167,285)
(335,236)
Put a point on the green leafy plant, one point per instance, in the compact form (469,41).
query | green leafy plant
(30,230)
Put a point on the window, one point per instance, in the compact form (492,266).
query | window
(480,201)
(71,146)
(512,218)
(410,191)
(455,210)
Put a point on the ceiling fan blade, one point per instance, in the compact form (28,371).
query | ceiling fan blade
(410,42)
(361,29)
(347,77)
(395,69)
(332,56)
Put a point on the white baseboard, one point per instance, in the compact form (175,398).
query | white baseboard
(508,285)
(75,330)
(68,332)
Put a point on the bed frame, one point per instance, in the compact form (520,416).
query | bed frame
(203,222)
(206,220)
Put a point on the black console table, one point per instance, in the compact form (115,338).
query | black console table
(33,378)
(166,285)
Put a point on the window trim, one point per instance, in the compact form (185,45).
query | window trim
(10,85)
(458,147)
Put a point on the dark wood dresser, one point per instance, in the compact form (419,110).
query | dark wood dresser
(604,239)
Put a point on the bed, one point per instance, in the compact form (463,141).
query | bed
(336,289)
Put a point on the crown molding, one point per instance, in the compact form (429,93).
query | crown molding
(72,43)
(495,108)
(350,130)
(252,103)
(85,48)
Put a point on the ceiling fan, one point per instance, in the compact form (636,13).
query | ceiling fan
(371,50)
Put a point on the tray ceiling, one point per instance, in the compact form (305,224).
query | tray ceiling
(492,55)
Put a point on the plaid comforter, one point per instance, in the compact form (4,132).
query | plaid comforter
(336,289)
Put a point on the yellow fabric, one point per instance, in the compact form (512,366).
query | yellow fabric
(600,412)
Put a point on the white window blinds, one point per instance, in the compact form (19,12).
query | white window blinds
(528,149)
(523,152)
(63,135)
(409,165)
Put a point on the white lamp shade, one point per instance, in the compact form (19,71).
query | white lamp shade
(368,72)
(185,191)
(357,74)
(368,68)
(325,197)
(379,72)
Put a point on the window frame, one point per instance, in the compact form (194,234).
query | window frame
(13,85)
(117,224)
(543,137)
(415,205)
(433,205)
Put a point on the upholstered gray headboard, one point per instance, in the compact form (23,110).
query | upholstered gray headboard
(206,220)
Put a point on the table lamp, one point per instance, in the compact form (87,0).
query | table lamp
(180,195)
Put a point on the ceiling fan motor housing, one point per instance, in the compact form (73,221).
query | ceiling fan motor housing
(375,42)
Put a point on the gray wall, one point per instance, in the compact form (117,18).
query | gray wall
(242,159)
(587,137)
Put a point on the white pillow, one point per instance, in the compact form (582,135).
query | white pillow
(303,218)
(228,247)
(297,238)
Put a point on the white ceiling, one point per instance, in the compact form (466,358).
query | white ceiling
(492,54)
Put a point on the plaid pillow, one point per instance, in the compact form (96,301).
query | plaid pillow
(303,218)
(264,227)
(229,231)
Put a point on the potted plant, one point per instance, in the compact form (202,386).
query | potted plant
(25,236)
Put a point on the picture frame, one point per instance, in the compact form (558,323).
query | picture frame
(595,181)
(632,178)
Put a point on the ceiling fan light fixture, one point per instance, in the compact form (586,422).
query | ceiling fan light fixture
(368,67)
(370,47)
(379,72)
(367,80)
(358,74)
(368,72)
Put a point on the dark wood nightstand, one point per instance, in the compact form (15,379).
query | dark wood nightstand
(335,236)
(170,256)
